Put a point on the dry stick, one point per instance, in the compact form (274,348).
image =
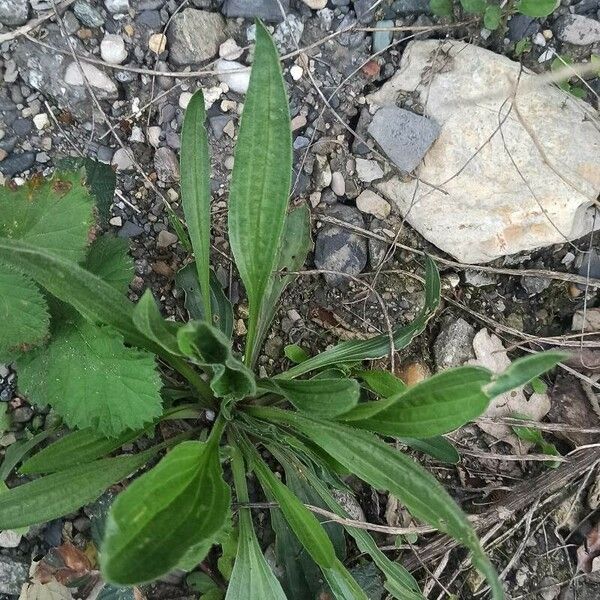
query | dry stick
(568,277)
(342,521)
(34,23)
(513,457)
(522,496)
(541,426)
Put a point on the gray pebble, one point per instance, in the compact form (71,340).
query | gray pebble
(267,10)
(87,14)
(14,12)
(17,163)
(454,344)
(13,574)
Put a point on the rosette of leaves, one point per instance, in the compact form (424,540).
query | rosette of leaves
(84,348)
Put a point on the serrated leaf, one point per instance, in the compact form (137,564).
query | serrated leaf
(23,313)
(75,448)
(537,8)
(92,379)
(523,370)
(261,178)
(432,407)
(58,494)
(109,259)
(294,247)
(384,468)
(222,311)
(195,192)
(176,505)
(208,347)
(378,346)
(99,178)
(53,215)
(325,398)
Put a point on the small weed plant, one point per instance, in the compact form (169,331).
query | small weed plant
(85,350)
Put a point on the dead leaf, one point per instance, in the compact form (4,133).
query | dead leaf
(490,353)
(41,588)
(589,550)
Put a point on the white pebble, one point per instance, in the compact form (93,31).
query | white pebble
(116,221)
(296,71)
(41,121)
(338,185)
(371,203)
(234,74)
(230,50)
(315,4)
(157,43)
(153,134)
(112,49)
(184,99)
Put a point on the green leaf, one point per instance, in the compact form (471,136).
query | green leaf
(208,347)
(195,192)
(92,379)
(296,353)
(293,249)
(261,178)
(441,8)
(384,468)
(222,311)
(383,383)
(378,346)
(492,17)
(325,398)
(437,447)
(342,584)
(474,6)
(228,552)
(180,503)
(58,494)
(437,405)
(149,321)
(537,8)
(109,259)
(16,452)
(523,370)
(199,582)
(369,579)
(23,313)
(99,178)
(54,215)
(251,576)
(399,582)
(75,448)
(523,46)
(304,524)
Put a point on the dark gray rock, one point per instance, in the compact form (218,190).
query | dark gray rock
(521,26)
(267,10)
(130,229)
(411,7)
(194,36)
(403,135)
(587,264)
(377,248)
(17,163)
(149,19)
(13,575)
(14,12)
(87,14)
(22,127)
(454,344)
(535,285)
(587,7)
(217,124)
(364,11)
(338,249)
(577,30)
(53,533)
(23,414)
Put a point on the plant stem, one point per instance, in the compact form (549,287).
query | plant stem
(205,396)
(238,470)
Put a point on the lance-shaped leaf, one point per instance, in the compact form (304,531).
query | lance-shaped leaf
(293,249)
(58,494)
(23,313)
(92,379)
(208,347)
(378,346)
(222,311)
(178,504)
(75,448)
(260,182)
(435,406)
(151,324)
(437,447)
(384,468)
(251,576)
(383,383)
(325,398)
(195,192)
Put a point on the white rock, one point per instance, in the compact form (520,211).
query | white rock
(10,538)
(211,95)
(137,135)
(95,77)
(157,43)
(338,184)
(122,161)
(296,71)
(371,203)
(184,99)
(41,121)
(116,221)
(112,49)
(483,209)
(153,134)
(234,74)
(315,4)
(230,50)
(368,170)
(117,6)
(578,30)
